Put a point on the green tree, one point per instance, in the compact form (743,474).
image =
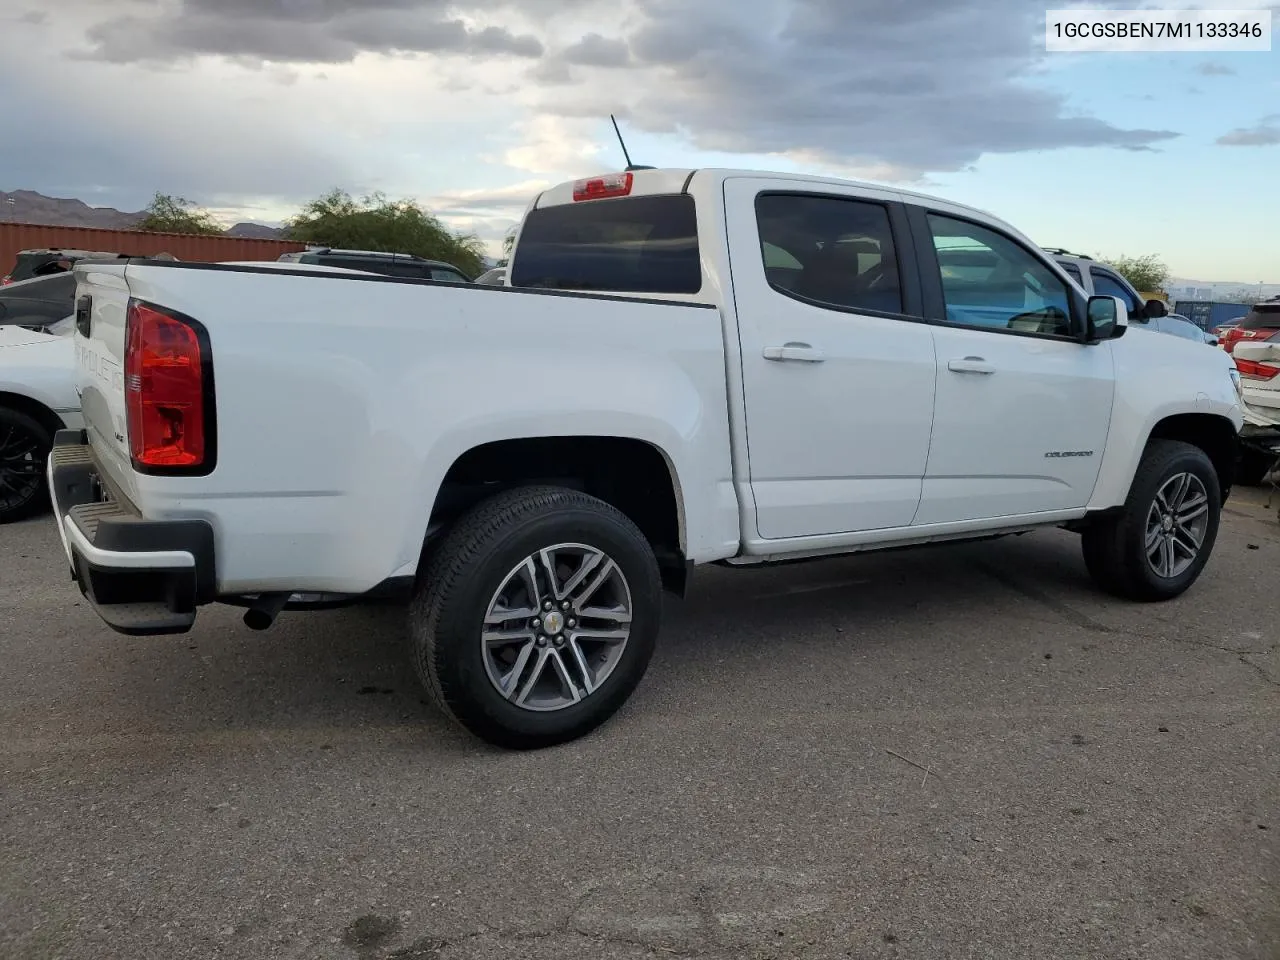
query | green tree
(167,214)
(389,226)
(1147,273)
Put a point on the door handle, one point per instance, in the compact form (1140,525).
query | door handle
(795,351)
(970,365)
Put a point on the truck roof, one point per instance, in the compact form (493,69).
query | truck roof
(649,181)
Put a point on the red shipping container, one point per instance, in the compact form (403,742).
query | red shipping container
(15,237)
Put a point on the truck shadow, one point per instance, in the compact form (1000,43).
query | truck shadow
(349,669)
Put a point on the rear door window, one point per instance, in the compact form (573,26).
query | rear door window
(630,245)
(834,251)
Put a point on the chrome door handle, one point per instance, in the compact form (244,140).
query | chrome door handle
(970,365)
(795,351)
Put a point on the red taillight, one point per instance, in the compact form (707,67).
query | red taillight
(1256,371)
(166,390)
(598,188)
(1235,335)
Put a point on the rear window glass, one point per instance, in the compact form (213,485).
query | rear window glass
(1262,315)
(631,245)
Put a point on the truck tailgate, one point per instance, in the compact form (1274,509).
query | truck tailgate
(102,304)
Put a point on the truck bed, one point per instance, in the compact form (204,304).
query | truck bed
(342,401)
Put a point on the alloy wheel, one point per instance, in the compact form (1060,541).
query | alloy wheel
(21,466)
(557,627)
(1176,525)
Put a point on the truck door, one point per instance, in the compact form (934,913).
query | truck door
(1023,407)
(838,366)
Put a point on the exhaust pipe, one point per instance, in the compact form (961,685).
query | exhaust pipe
(265,609)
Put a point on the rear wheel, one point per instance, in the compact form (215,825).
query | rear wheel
(24,451)
(537,616)
(1159,542)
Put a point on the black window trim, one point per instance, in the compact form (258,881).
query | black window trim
(904,252)
(931,278)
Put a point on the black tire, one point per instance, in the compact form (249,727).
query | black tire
(1115,548)
(24,452)
(466,570)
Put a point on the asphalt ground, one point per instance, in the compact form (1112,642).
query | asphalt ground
(955,752)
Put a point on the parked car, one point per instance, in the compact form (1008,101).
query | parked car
(1258,363)
(374,261)
(1153,314)
(37,399)
(1220,330)
(40,263)
(495,277)
(1262,323)
(1179,326)
(688,367)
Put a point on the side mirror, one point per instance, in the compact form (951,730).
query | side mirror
(1107,318)
(1154,309)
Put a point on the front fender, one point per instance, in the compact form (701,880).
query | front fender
(1174,378)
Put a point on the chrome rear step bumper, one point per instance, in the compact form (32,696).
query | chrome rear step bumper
(142,577)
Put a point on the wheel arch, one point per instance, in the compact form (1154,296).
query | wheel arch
(1214,434)
(634,475)
(40,412)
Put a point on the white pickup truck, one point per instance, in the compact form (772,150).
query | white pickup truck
(685,367)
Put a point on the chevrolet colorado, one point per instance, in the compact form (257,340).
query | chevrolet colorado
(683,367)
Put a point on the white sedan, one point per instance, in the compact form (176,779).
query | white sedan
(37,399)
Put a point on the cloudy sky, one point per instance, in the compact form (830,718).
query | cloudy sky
(252,107)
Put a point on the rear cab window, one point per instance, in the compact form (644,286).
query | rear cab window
(1262,316)
(638,244)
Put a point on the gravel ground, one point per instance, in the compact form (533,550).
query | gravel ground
(955,753)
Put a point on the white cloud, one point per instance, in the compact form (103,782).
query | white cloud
(554,144)
(266,103)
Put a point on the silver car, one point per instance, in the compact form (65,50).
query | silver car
(1102,279)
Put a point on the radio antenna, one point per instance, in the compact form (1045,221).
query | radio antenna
(622,143)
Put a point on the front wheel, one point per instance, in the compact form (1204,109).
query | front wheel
(1158,544)
(24,450)
(537,617)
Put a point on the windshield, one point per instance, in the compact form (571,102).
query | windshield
(632,245)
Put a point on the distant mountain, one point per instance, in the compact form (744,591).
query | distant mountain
(27,206)
(256,231)
(30,207)
(1223,290)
